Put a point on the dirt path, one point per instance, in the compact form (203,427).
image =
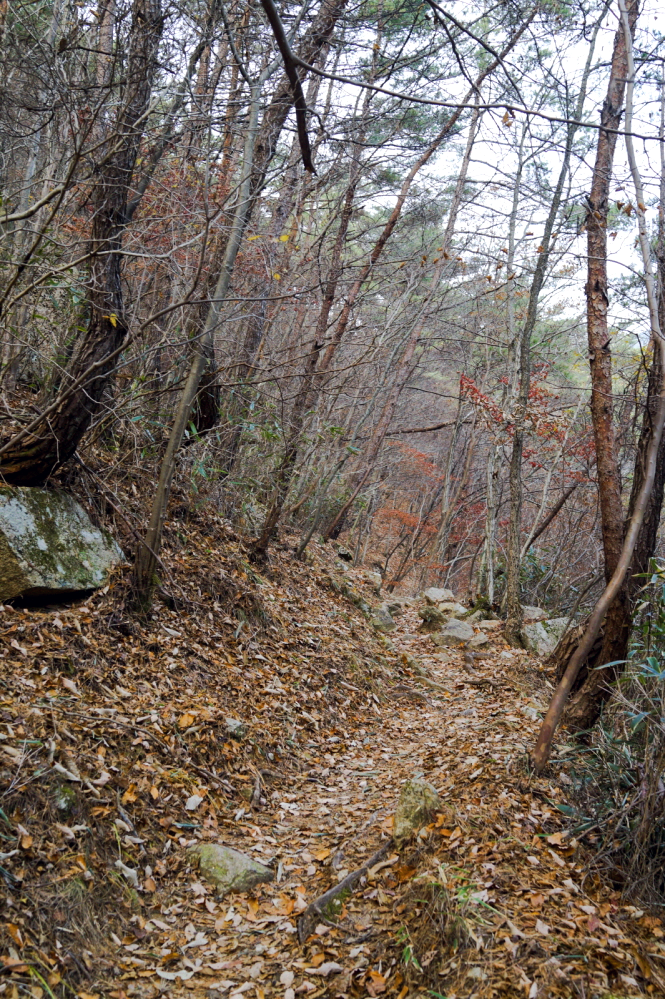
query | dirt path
(491,900)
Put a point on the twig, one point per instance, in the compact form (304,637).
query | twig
(315,911)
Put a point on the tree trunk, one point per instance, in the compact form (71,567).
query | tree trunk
(281,102)
(55,440)
(586,705)
(644,497)
(616,628)
(617,623)
(307,387)
(148,550)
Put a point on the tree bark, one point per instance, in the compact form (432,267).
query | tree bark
(586,704)
(148,550)
(616,629)
(644,498)
(617,624)
(53,442)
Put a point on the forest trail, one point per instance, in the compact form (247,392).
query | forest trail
(118,752)
(493,899)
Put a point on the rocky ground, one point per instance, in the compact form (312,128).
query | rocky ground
(262,711)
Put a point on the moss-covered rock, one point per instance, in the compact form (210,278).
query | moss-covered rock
(418,801)
(229,870)
(48,545)
(64,798)
(432,618)
(382,619)
(541,637)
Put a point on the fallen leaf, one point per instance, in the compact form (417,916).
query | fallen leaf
(375,983)
(329,968)
(15,934)
(13,964)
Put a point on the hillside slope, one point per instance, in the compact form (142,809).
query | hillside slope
(261,710)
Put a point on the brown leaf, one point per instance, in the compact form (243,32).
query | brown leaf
(13,964)
(375,983)
(15,934)
(643,963)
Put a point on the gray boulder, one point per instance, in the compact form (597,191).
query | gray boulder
(435,595)
(453,609)
(490,625)
(535,640)
(542,637)
(418,801)
(556,628)
(49,546)
(531,614)
(453,634)
(382,619)
(229,870)
(479,640)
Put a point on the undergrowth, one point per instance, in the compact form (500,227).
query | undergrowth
(618,789)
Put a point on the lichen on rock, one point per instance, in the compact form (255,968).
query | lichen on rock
(48,544)
(228,869)
(418,801)
(453,634)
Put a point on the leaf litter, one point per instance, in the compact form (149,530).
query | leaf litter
(260,710)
